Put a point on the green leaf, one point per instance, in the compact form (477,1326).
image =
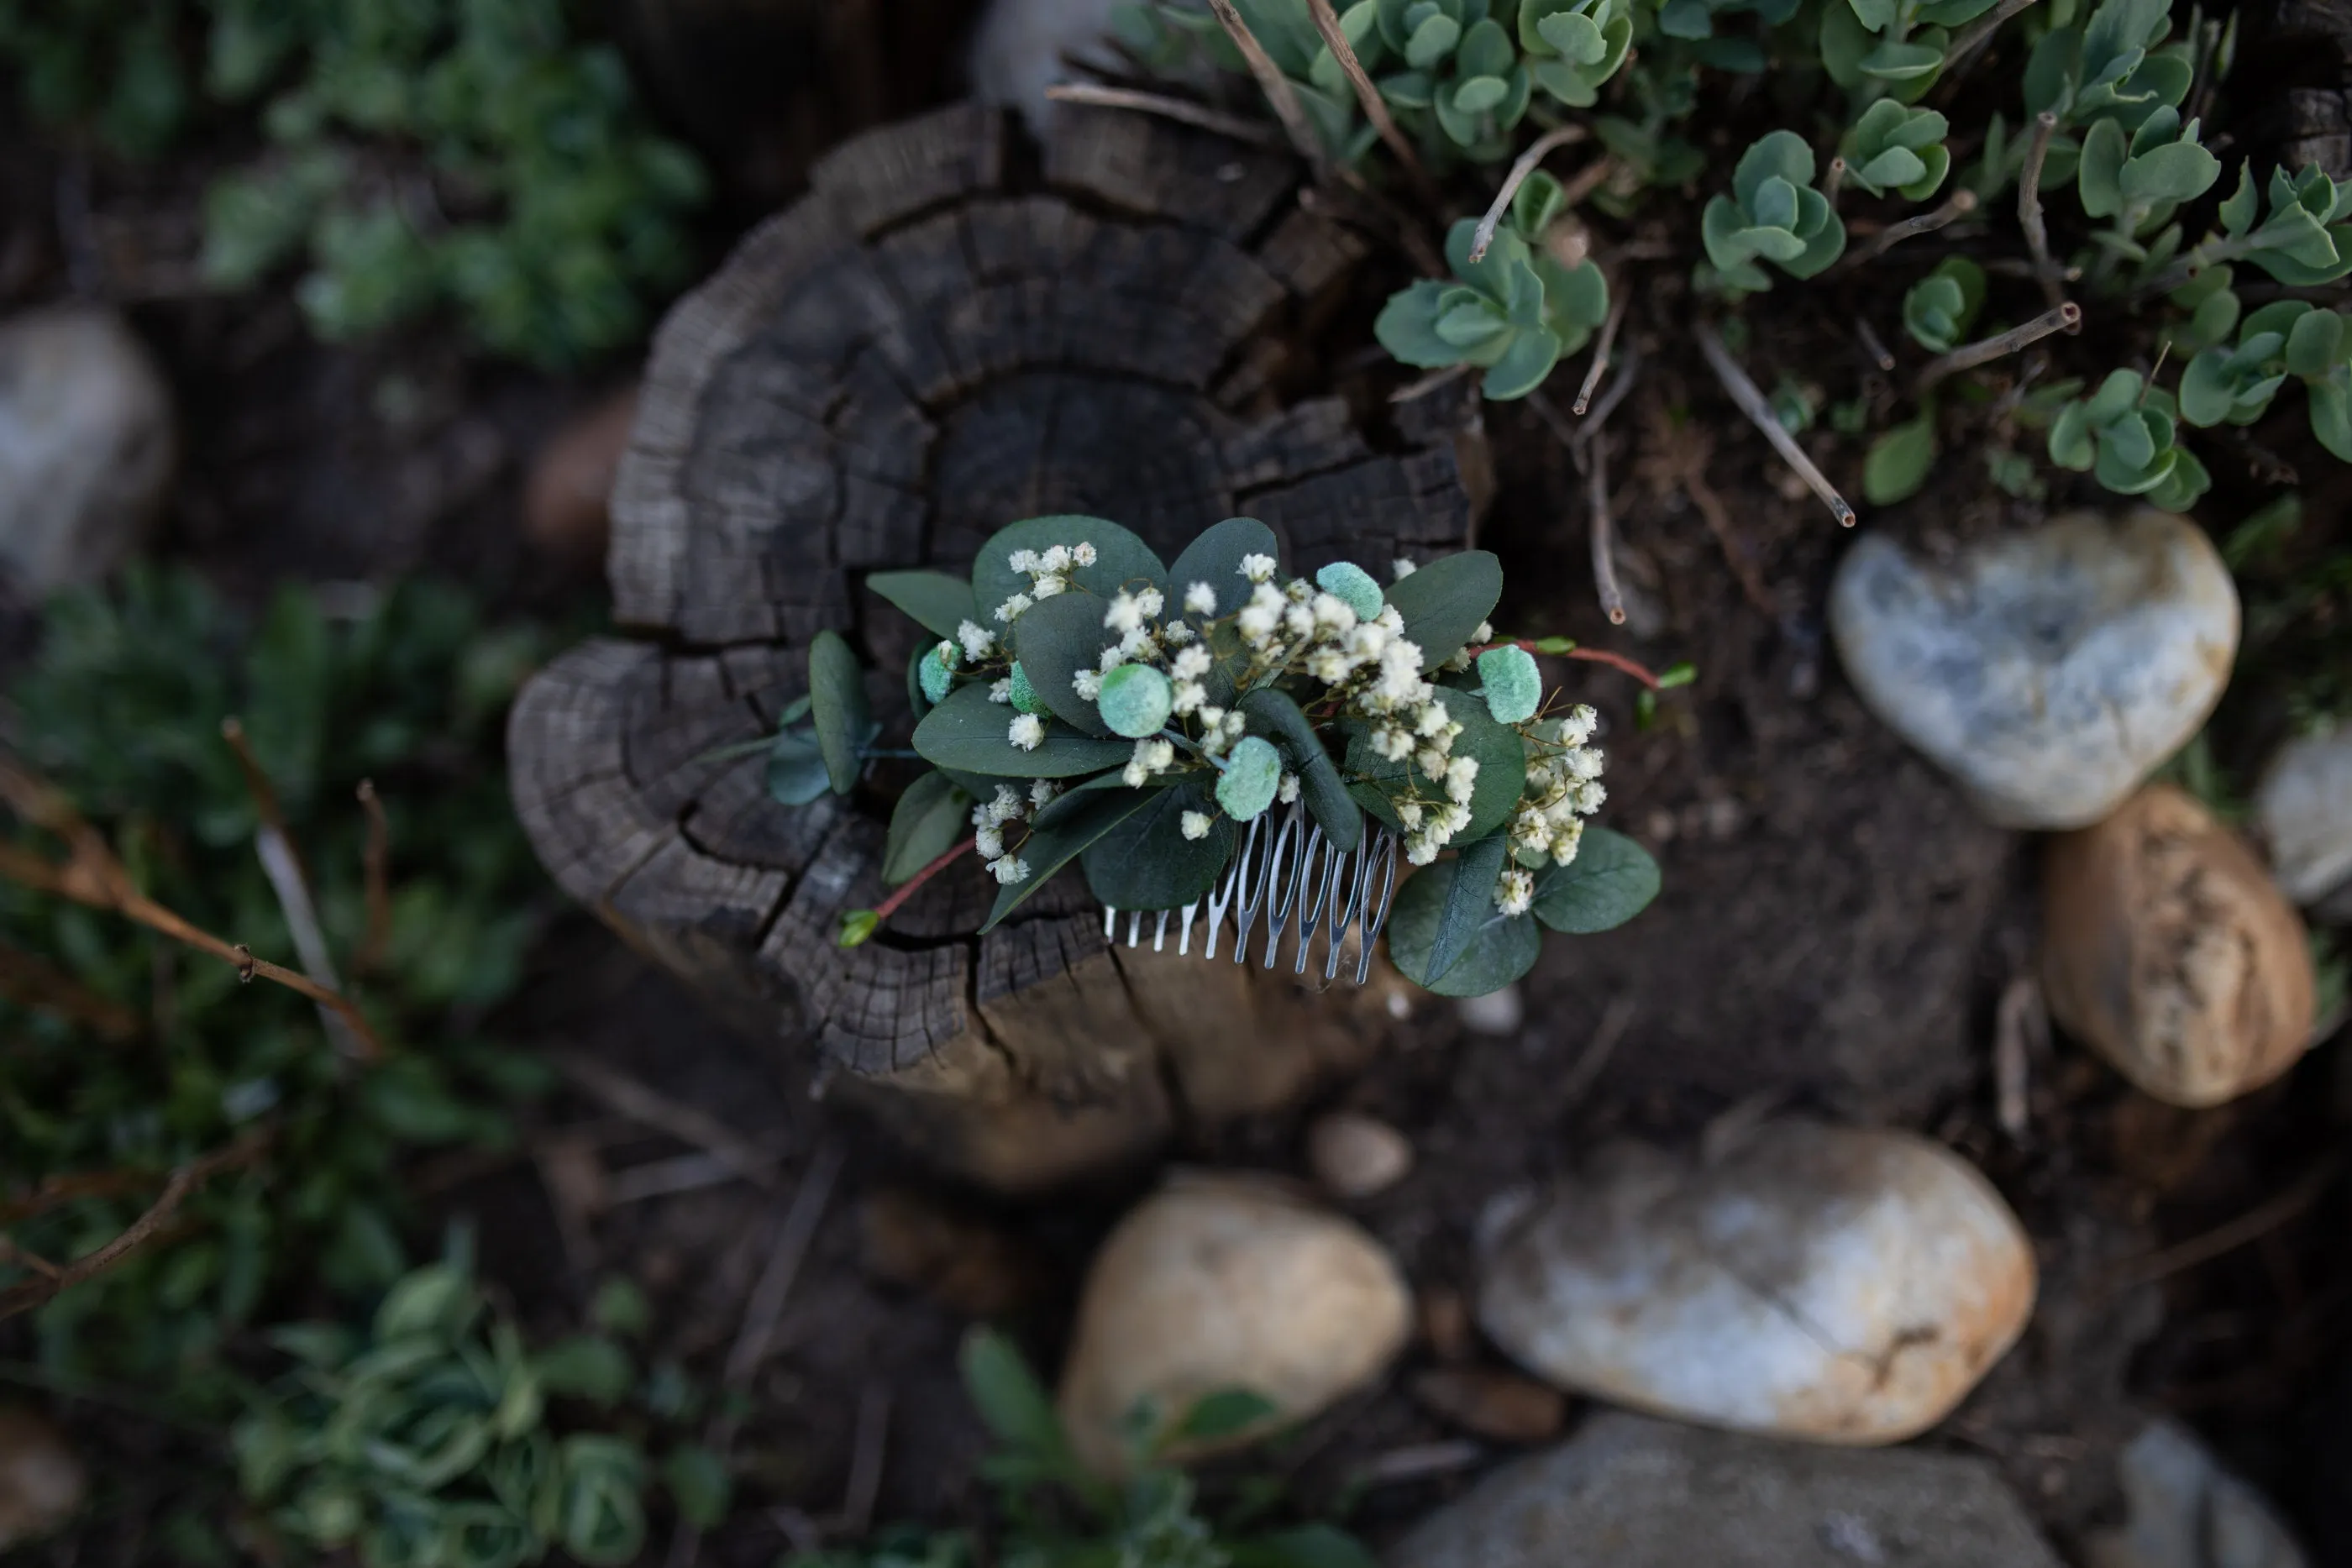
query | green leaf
(1070,827)
(619,1307)
(1309,1546)
(1121,560)
(1514,685)
(1499,951)
(2179,173)
(437,1300)
(1781,154)
(2331,412)
(1902,62)
(2315,344)
(2205,390)
(1272,712)
(1215,558)
(1136,700)
(796,770)
(1523,366)
(1223,1413)
(971,734)
(585,1367)
(857,927)
(1469,903)
(1011,1401)
(1056,638)
(1407,326)
(1502,762)
(1899,460)
(698,1484)
(937,602)
(1444,601)
(837,709)
(2238,211)
(1611,879)
(1145,862)
(929,819)
(2098,178)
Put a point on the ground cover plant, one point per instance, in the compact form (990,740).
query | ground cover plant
(1087,703)
(476,158)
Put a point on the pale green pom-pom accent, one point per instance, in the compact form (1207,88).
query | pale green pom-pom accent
(1354,584)
(1253,773)
(937,678)
(1135,701)
(1514,685)
(1025,695)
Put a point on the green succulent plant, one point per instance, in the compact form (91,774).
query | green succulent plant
(2111,67)
(1573,46)
(2307,239)
(1695,28)
(425,1442)
(1512,313)
(1895,147)
(1774,215)
(1891,47)
(1939,309)
(2290,338)
(2139,177)
(2124,434)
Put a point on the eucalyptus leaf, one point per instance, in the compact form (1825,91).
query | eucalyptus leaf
(1056,638)
(929,819)
(1446,600)
(1272,712)
(1121,560)
(837,709)
(1215,558)
(937,602)
(1498,949)
(970,733)
(1145,862)
(1469,903)
(1611,879)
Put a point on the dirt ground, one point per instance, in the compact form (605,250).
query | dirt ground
(1835,930)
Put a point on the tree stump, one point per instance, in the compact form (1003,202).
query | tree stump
(953,331)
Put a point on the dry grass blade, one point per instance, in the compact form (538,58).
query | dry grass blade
(1599,366)
(1526,166)
(281,863)
(1182,110)
(1277,89)
(2252,1225)
(1376,108)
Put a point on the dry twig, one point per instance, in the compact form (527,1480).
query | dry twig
(1970,39)
(376,866)
(1376,108)
(1873,345)
(1180,110)
(1304,139)
(1559,137)
(281,863)
(1599,366)
(1421,386)
(1759,414)
(1958,204)
(2020,1030)
(2029,207)
(57,1278)
(1968,356)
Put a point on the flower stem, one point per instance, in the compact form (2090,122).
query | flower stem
(906,890)
(1640,671)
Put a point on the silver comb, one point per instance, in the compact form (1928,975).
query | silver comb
(1279,871)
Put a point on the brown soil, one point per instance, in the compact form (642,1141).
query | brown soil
(1835,930)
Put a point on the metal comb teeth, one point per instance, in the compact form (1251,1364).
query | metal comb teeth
(1279,871)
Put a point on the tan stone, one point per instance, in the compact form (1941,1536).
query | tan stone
(2168,948)
(565,501)
(1355,1156)
(1218,1283)
(1814,1281)
(42,1481)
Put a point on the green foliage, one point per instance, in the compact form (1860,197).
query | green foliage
(2307,238)
(2139,177)
(1060,1515)
(1939,310)
(471,155)
(425,1443)
(1514,312)
(1774,215)
(1457,76)
(2124,433)
(2286,338)
(2110,67)
(123,710)
(1895,147)
(1900,460)
(1700,26)
(1173,710)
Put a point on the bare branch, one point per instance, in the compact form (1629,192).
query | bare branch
(1599,366)
(1421,386)
(1834,181)
(1759,414)
(1873,344)
(1182,110)
(1973,38)
(376,865)
(1304,138)
(2065,318)
(1529,160)
(1958,204)
(1376,108)
(56,1279)
(281,863)
(30,981)
(2029,207)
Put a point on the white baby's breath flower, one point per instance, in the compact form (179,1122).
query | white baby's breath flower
(1048,584)
(1112,658)
(1001,691)
(1043,791)
(1010,611)
(1190,695)
(1261,615)
(1298,620)
(1200,599)
(1420,849)
(1585,762)
(1176,633)
(1150,601)
(1485,633)
(1125,614)
(1191,664)
(1087,684)
(1288,790)
(1431,761)
(1330,665)
(1232,724)
(1391,742)
(1431,720)
(1056,559)
(1257,568)
(1564,844)
(1461,780)
(1401,569)
(1009,870)
(1007,803)
(1589,796)
(1515,891)
(977,639)
(1027,731)
(1024,561)
(1409,813)
(1195,824)
(989,842)
(1140,644)
(948,653)
(1082,553)
(1577,727)
(1333,612)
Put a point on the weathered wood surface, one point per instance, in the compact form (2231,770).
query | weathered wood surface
(953,331)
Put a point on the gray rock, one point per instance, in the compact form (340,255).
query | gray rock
(85,446)
(2304,808)
(2048,671)
(1632,1492)
(2186,1511)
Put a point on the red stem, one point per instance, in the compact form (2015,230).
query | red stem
(889,906)
(1597,655)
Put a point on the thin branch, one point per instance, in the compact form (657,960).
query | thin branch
(1602,535)
(176,1188)
(376,865)
(92,875)
(1421,386)
(1599,366)
(1871,344)
(281,864)
(1376,108)
(1632,667)
(1958,204)
(1587,179)
(1759,414)
(1277,87)
(1529,160)
(1834,180)
(2067,317)
(1975,36)
(1182,110)
(2029,207)
(890,905)
(1691,470)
